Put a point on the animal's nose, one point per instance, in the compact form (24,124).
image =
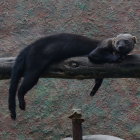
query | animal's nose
(121,47)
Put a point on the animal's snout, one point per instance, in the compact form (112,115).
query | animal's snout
(121,47)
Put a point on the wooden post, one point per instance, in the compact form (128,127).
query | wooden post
(77,124)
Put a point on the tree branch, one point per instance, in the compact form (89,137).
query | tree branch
(82,68)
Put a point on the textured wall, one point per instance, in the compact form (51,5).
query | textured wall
(115,109)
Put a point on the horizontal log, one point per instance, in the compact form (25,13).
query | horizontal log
(82,68)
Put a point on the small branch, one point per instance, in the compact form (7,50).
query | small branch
(82,68)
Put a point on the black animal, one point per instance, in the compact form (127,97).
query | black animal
(37,57)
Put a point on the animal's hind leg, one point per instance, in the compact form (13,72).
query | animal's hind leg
(33,71)
(28,82)
(97,85)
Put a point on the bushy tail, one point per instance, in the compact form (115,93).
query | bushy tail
(17,73)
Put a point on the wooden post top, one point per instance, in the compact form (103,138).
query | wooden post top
(76,115)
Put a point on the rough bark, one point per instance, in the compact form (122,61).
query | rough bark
(82,68)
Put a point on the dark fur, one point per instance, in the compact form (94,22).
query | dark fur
(37,57)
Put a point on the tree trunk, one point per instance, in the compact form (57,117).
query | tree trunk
(82,68)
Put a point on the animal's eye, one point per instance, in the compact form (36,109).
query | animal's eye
(126,41)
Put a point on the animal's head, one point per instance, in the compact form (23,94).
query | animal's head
(124,43)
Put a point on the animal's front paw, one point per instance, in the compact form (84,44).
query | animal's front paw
(92,93)
(95,60)
(120,59)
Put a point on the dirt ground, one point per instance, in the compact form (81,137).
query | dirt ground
(114,110)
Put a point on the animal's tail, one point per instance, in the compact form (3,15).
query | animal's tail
(17,73)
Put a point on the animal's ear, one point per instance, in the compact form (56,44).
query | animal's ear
(135,39)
